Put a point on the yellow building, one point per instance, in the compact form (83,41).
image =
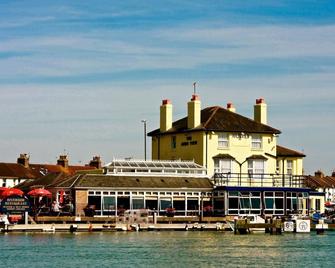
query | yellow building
(224,141)
(251,173)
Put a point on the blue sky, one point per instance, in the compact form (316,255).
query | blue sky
(78,76)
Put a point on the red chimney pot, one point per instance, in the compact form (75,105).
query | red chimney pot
(195,97)
(166,101)
(259,101)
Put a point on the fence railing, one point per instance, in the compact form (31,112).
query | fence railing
(258,180)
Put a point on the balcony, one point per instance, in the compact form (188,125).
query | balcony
(258,180)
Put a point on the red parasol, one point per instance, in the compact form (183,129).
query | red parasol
(61,196)
(3,189)
(11,191)
(40,192)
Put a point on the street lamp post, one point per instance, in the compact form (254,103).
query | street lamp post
(145,138)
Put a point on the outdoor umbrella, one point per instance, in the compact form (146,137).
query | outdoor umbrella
(10,192)
(3,189)
(40,192)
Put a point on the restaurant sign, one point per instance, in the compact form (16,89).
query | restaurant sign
(15,205)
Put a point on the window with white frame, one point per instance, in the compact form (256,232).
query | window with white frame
(289,167)
(256,142)
(256,166)
(222,165)
(223,140)
(291,202)
(274,203)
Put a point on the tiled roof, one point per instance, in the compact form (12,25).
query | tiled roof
(219,119)
(320,182)
(283,151)
(44,181)
(129,182)
(49,168)
(51,179)
(13,170)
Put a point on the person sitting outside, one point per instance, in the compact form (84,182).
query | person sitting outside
(89,211)
(55,208)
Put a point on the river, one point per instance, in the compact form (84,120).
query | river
(166,249)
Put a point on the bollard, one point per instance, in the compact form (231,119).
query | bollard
(155,217)
(73,228)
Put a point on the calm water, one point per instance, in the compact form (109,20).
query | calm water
(167,249)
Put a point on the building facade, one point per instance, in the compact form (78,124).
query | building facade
(223,141)
(251,173)
(131,185)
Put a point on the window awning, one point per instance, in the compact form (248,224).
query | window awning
(257,156)
(224,156)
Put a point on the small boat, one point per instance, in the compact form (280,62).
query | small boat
(230,225)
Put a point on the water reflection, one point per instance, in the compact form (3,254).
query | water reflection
(152,249)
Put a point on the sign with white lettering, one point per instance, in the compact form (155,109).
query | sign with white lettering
(15,205)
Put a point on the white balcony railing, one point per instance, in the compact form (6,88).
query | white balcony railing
(258,180)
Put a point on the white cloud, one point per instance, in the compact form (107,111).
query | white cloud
(20,22)
(105,116)
(187,48)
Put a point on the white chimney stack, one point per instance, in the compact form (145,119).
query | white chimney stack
(165,115)
(260,111)
(194,112)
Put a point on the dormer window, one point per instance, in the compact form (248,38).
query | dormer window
(223,140)
(256,142)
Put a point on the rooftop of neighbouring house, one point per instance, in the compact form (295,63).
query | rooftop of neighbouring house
(320,180)
(24,170)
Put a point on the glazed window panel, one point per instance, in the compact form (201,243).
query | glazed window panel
(222,165)
(233,203)
(256,168)
(173,142)
(294,204)
(223,140)
(279,203)
(192,204)
(269,202)
(256,203)
(291,202)
(274,203)
(289,167)
(165,203)
(95,201)
(317,205)
(256,142)
(245,203)
(109,203)
(233,193)
(151,204)
(138,203)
